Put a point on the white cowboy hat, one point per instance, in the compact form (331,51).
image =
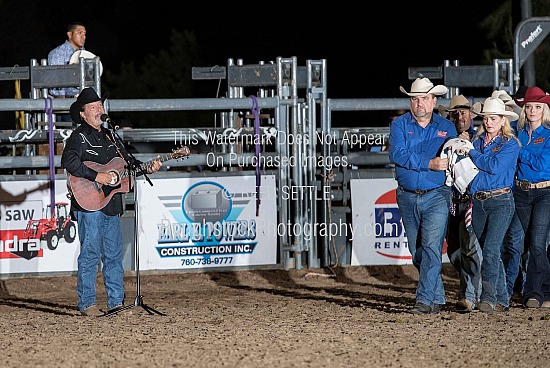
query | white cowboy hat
(422,86)
(495,106)
(508,100)
(75,59)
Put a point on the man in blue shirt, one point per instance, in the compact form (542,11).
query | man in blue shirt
(463,247)
(415,141)
(61,55)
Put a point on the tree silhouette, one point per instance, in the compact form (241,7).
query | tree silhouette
(163,75)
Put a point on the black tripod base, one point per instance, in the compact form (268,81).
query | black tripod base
(138,302)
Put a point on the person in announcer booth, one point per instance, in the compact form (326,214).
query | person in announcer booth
(423,199)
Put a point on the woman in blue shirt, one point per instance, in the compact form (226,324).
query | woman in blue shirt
(495,154)
(532,193)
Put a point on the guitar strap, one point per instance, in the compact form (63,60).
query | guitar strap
(113,141)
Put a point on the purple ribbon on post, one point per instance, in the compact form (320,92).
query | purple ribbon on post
(257,137)
(48,109)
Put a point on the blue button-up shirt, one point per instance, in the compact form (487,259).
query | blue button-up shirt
(534,156)
(496,163)
(471,131)
(411,147)
(61,55)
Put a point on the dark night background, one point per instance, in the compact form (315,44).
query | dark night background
(368,48)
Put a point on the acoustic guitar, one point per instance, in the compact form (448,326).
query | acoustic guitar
(93,196)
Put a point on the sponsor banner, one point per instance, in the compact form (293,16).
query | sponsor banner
(531,33)
(33,236)
(379,236)
(192,223)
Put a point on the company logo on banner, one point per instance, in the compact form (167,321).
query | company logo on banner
(530,33)
(379,235)
(202,223)
(389,233)
(212,225)
(34,237)
(15,240)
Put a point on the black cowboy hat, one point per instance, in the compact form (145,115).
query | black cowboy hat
(88,95)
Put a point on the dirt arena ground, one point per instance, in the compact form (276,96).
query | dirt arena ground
(347,317)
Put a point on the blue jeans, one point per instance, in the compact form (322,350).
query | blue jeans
(100,238)
(532,209)
(490,219)
(464,254)
(425,220)
(512,252)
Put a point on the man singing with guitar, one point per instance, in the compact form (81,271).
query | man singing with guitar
(86,157)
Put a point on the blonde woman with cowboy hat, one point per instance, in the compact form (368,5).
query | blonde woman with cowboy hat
(513,240)
(532,193)
(495,154)
(415,141)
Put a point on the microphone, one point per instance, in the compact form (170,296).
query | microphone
(106,119)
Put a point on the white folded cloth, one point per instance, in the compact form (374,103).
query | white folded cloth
(461,170)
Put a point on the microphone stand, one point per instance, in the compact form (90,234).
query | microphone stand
(131,161)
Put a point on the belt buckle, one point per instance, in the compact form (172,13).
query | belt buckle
(482,195)
(524,185)
(460,197)
(419,191)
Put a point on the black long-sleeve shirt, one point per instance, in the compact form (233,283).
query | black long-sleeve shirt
(88,144)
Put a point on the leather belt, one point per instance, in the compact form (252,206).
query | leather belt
(461,198)
(526,185)
(419,191)
(491,193)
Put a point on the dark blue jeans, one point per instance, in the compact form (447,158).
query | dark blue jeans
(425,220)
(512,252)
(464,254)
(100,239)
(490,219)
(532,209)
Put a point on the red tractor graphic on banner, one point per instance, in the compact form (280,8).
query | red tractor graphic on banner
(54,225)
